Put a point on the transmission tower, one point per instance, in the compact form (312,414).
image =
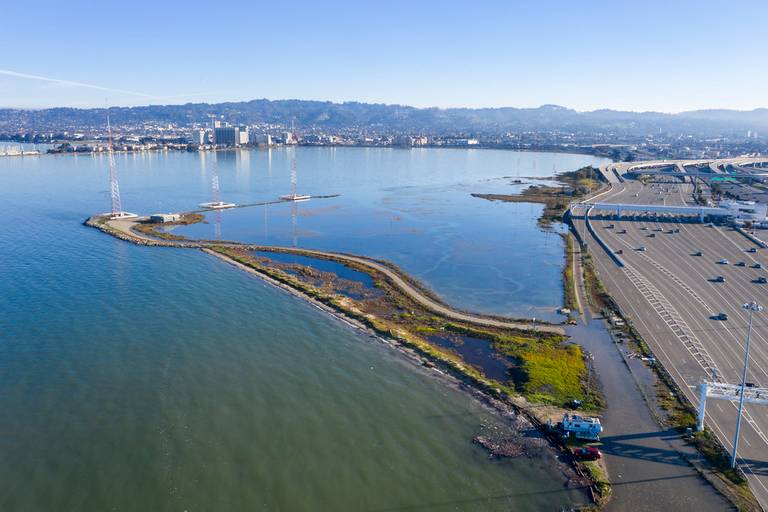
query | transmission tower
(114,187)
(216,202)
(215,190)
(293,173)
(113,184)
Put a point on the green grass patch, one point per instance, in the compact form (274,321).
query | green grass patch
(548,371)
(553,374)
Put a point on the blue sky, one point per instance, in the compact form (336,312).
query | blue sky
(668,55)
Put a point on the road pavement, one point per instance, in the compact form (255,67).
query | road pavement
(672,299)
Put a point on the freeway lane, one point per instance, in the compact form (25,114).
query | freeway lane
(681,281)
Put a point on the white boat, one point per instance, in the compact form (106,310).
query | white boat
(295,197)
(217,205)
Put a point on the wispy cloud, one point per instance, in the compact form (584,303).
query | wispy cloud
(17,74)
(8,72)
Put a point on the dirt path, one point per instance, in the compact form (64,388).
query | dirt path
(125,226)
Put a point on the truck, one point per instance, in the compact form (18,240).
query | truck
(581,427)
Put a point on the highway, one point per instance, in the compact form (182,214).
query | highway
(671,297)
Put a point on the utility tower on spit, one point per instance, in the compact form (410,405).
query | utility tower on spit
(114,187)
(216,202)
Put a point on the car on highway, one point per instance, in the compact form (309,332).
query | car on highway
(719,279)
(641,248)
(761,280)
(721,316)
(741,264)
(752,249)
(757,265)
(722,262)
(652,235)
(620,251)
(622,232)
(697,253)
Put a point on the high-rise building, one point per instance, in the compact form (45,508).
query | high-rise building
(243,136)
(226,136)
(289,138)
(262,139)
(197,137)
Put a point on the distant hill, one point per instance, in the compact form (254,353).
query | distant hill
(395,118)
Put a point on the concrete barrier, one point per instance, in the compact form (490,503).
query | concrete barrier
(615,257)
(752,237)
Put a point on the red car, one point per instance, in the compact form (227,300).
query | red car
(586,453)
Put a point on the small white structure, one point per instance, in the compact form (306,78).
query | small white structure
(121,215)
(582,427)
(159,218)
(217,205)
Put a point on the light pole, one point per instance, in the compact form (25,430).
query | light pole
(752,307)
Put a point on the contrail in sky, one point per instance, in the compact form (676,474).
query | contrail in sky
(8,72)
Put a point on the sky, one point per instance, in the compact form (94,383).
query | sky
(668,56)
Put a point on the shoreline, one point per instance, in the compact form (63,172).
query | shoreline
(507,410)
(527,417)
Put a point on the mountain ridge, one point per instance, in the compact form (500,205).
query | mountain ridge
(307,114)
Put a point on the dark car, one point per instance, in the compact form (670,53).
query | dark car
(722,317)
(697,253)
(752,249)
(757,265)
(741,264)
(586,453)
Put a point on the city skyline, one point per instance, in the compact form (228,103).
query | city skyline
(665,58)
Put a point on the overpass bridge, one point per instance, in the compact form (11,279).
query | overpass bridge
(682,168)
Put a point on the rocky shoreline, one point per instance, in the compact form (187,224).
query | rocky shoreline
(527,436)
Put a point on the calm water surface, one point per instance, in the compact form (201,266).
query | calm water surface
(139,378)
(412,207)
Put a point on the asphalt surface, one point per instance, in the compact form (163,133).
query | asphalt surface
(644,461)
(671,297)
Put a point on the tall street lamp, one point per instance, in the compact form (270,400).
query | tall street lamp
(752,307)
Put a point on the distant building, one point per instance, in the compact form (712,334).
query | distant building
(198,137)
(408,141)
(243,136)
(262,139)
(226,136)
(289,138)
(467,142)
(159,218)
